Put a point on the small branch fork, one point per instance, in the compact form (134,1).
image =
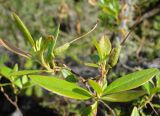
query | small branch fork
(14,103)
(111,110)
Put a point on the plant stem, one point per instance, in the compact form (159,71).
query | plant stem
(112,111)
(84,34)
(14,103)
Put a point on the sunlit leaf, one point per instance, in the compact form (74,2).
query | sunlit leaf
(113,58)
(5,71)
(61,87)
(61,49)
(91,65)
(131,81)
(52,44)
(135,112)
(23,29)
(124,96)
(105,46)
(26,72)
(95,86)
(97,47)
(148,87)
(68,75)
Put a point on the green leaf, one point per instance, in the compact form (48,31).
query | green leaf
(131,81)
(23,29)
(95,58)
(155,90)
(91,65)
(5,71)
(97,47)
(52,44)
(135,112)
(158,80)
(4,84)
(56,33)
(156,106)
(69,76)
(61,87)
(38,91)
(95,86)
(26,72)
(113,58)
(61,49)
(125,96)
(148,87)
(105,46)
(17,82)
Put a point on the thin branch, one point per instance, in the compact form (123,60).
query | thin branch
(153,108)
(112,111)
(85,33)
(139,19)
(149,14)
(14,103)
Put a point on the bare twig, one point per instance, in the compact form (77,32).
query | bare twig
(112,111)
(149,14)
(139,19)
(85,33)
(14,103)
(153,108)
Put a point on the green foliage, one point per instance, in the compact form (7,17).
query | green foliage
(135,112)
(103,47)
(69,76)
(131,81)
(95,86)
(125,96)
(61,87)
(24,30)
(113,59)
(61,49)
(26,72)
(110,12)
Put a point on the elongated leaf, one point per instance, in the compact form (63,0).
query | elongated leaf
(61,87)
(158,80)
(131,81)
(135,112)
(95,86)
(91,65)
(113,59)
(148,87)
(52,44)
(61,49)
(26,72)
(105,46)
(56,33)
(5,71)
(23,29)
(4,84)
(97,47)
(124,96)
(14,49)
(69,76)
